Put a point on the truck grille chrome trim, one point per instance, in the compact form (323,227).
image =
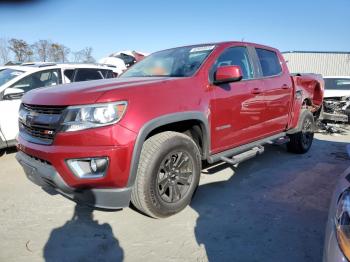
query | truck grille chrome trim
(39,124)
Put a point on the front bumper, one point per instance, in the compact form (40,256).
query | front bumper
(45,175)
(114,142)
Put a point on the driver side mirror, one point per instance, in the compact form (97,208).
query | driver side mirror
(13,93)
(227,74)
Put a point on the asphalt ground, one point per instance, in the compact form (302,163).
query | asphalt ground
(270,208)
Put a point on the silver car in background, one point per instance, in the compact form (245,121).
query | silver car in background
(337,240)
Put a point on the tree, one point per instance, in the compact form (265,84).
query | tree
(58,53)
(84,56)
(22,50)
(42,50)
(4,51)
(64,53)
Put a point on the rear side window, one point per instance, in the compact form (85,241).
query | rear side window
(107,73)
(87,74)
(270,64)
(69,74)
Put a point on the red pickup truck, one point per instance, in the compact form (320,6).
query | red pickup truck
(143,137)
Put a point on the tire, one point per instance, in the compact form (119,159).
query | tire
(301,141)
(168,174)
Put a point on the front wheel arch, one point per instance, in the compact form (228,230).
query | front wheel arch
(164,120)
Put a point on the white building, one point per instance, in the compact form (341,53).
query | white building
(324,63)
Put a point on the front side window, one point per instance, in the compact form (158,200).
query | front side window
(337,83)
(176,62)
(8,74)
(269,62)
(237,56)
(39,79)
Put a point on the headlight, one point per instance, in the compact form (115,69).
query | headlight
(342,223)
(90,116)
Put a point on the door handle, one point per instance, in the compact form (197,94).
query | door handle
(285,86)
(256,91)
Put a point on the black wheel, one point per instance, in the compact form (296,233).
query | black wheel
(167,175)
(301,141)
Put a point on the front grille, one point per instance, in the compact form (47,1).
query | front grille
(41,133)
(44,109)
(39,124)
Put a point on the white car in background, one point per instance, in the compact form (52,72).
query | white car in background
(336,102)
(16,80)
(337,86)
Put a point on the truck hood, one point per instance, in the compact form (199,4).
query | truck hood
(88,92)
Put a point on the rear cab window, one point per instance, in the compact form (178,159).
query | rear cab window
(269,62)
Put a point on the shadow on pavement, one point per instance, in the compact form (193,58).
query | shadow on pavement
(8,151)
(83,239)
(273,208)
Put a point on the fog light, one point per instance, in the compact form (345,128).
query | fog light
(88,167)
(93,165)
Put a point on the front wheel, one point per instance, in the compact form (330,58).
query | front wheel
(301,141)
(168,174)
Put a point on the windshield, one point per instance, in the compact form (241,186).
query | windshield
(8,74)
(177,62)
(337,83)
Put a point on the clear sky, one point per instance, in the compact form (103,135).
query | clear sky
(112,25)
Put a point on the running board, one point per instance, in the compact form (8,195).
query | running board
(243,156)
(243,148)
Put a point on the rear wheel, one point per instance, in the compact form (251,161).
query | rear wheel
(168,174)
(301,141)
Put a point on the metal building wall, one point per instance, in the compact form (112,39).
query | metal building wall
(325,63)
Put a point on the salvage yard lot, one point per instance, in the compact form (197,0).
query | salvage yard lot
(271,208)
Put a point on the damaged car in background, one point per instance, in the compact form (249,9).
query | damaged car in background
(123,60)
(336,103)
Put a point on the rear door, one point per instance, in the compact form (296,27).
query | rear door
(277,90)
(238,107)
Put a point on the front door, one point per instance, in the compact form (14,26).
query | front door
(238,107)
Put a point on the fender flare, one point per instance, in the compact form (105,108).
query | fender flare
(300,122)
(161,121)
